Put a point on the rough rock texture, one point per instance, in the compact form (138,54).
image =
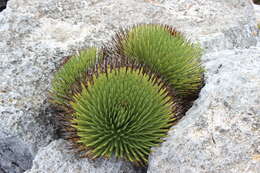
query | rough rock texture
(221,132)
(36,35)
(55,158)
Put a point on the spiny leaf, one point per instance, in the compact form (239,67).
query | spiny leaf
(116,115)
(73,70)
(166,51)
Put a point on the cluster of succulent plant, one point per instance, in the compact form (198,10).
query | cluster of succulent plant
(120,100)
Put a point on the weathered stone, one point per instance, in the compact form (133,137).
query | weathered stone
(221,132)
(55,158)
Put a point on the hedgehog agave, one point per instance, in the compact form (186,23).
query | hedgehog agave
(73,71)
(121,101)
(120,110)
(166,52)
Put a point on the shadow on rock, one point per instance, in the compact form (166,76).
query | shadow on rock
(3,4)
(14,155)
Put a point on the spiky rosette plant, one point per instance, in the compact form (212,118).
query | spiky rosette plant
(122,111)
(123,102)
(165,51)
(66,79)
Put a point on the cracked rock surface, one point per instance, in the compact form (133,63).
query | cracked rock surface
(36,35)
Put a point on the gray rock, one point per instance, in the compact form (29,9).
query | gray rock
(221,132)
(55,158)
(14,156)
(36,35)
